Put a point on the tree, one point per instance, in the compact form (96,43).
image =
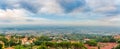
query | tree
(91,43)
(98,47)
(112,40)
(118,41)
(19,47)
(44,38)
(37,42)
(42,47)
(4,40)
(106,39)
(78,46)
(117,47)
(50,44)
(1,46)
(65,44)
(12,43)
(62,44)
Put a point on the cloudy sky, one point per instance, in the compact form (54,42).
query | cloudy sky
(60,12)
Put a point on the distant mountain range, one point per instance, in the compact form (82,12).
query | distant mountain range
(71,28)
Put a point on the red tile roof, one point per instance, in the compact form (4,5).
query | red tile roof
(103,46)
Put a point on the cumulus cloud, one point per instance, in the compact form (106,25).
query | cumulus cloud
(19,16)
(15,14)
(114,19)
(103,6)
(32,12)
(45,6)
(42,6)
(50,6)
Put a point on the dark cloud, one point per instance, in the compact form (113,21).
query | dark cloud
(70,5)
(4,5)
(29,6)
(67,5)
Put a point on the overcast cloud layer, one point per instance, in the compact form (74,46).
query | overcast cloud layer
(60,12)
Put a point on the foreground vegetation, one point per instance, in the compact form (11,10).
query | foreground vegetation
(51,42)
